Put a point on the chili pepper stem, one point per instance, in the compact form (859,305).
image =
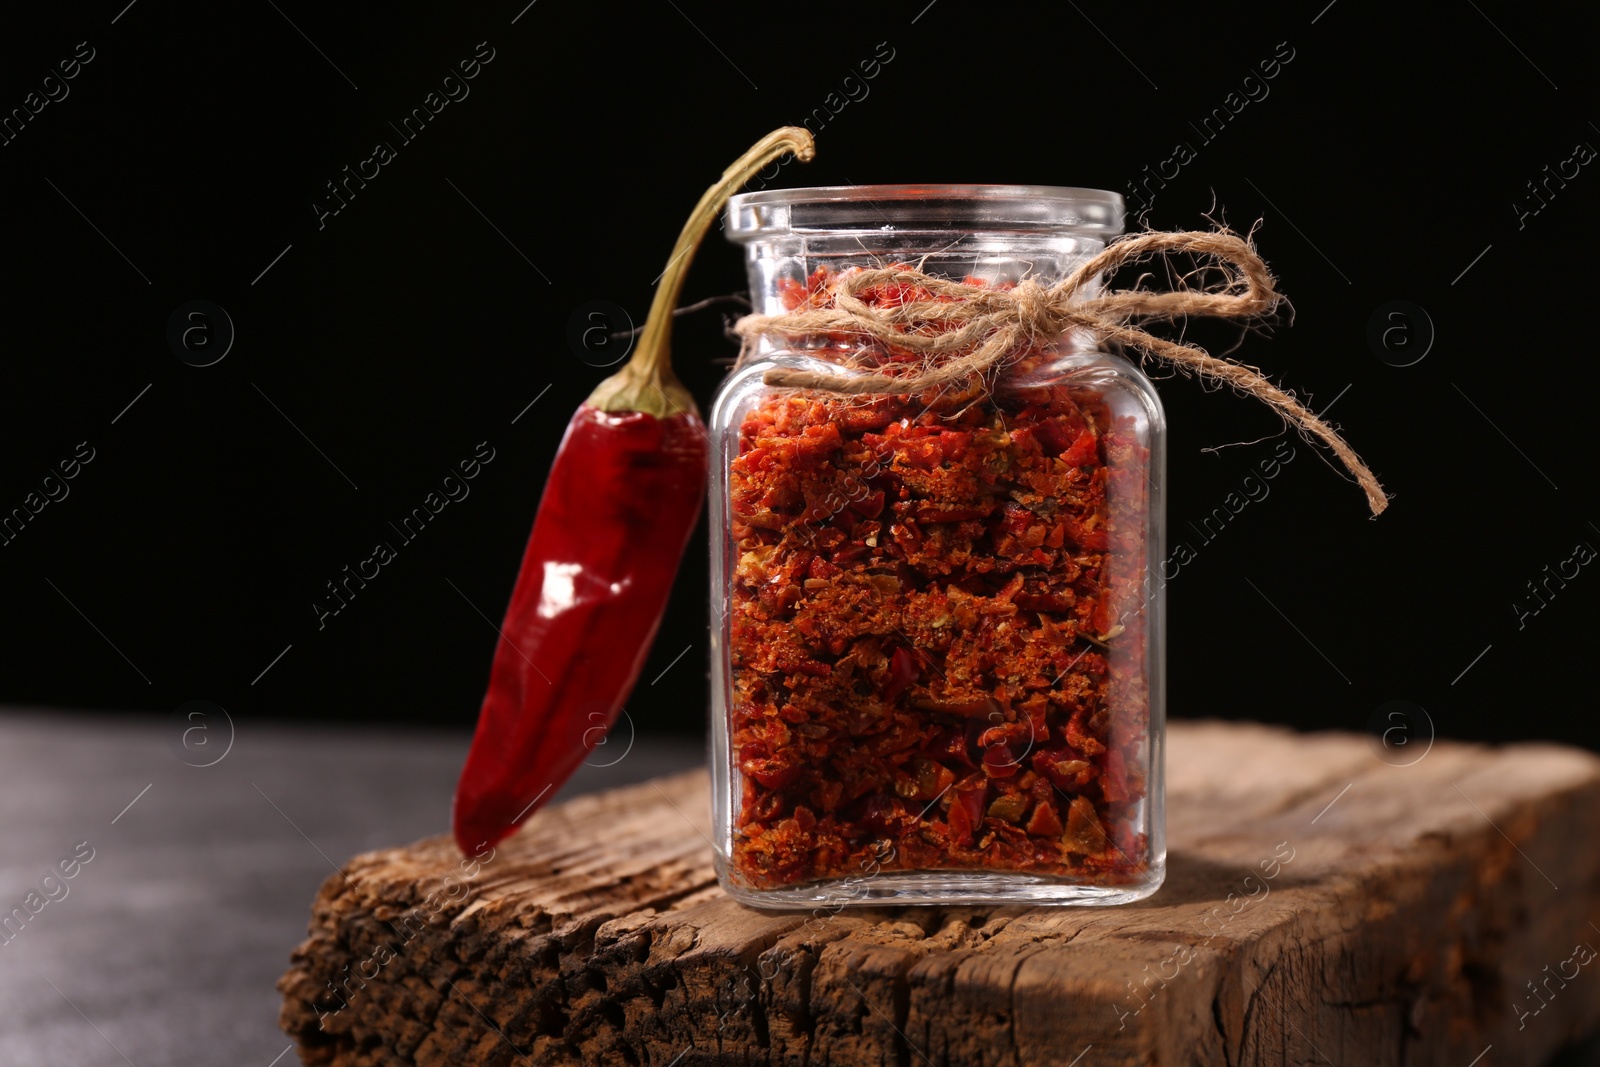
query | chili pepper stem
(647,383)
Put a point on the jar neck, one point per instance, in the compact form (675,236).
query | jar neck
(784,268)
(777,266)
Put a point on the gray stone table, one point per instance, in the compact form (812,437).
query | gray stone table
(162,949)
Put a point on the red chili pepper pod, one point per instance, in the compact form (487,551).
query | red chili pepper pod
(618,508)
(617,512)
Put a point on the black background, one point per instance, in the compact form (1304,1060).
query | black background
(426,315)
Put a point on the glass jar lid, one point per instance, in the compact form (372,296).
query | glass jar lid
(1027,209)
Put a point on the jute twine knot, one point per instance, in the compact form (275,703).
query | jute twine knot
(965,331)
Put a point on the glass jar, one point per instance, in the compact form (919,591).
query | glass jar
(937,663)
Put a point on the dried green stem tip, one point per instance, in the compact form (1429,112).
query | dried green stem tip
(647,383)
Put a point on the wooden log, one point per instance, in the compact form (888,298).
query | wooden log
(1321,906)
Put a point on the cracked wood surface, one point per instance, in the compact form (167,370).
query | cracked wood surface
(1321,906)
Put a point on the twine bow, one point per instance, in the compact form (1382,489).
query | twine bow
(967,331)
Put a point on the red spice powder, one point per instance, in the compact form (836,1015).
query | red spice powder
(936,636)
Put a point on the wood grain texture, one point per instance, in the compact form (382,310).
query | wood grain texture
(1378,915)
